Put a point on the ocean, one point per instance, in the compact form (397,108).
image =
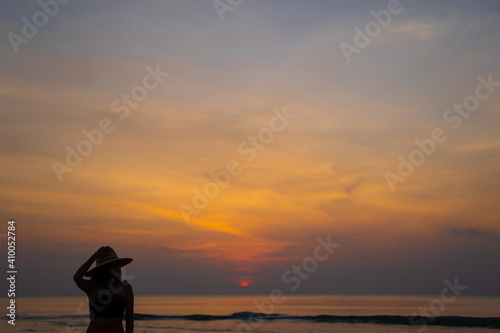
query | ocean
(302,314)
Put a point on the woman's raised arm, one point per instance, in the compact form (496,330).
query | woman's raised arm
(80,273)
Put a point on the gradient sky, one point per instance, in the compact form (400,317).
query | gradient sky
(322,175)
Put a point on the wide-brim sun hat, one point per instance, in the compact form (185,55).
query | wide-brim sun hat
(110,257)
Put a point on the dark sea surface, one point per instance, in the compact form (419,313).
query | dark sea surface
(307,313)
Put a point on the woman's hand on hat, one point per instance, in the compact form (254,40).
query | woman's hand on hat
(102,251)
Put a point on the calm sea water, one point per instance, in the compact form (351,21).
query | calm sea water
(303,314)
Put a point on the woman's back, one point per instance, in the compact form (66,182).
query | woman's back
(107,306)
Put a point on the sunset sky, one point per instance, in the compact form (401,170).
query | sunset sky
(173,92)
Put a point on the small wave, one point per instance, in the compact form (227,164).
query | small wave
(450,321)
(388,320)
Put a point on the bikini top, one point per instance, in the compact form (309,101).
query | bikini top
(107,305)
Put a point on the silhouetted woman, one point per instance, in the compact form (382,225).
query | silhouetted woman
(109,296)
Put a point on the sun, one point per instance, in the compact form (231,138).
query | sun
(244,284)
